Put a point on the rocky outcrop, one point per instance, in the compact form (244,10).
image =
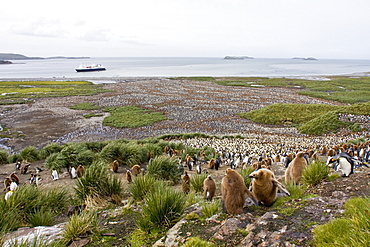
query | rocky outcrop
(43,234)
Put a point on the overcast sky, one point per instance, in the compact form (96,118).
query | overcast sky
(187,28)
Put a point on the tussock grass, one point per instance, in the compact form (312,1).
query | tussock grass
(353,229)
(245,174)
(82,224)
(198,242)
(143,185)
(163,167)
(314,173)
(72,154)
(50,149)
(41,217)
(131,117)
(296,192)
(196,182)
(30,154)
(162,208)
(211,208)
(31,206)
(3,157)
(99,182)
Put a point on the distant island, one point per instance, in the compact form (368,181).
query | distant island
(13,56)
(5,62)
(237,57)
(305,58)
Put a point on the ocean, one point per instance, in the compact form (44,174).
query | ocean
(186,66)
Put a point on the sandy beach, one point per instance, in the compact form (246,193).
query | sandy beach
(190,106)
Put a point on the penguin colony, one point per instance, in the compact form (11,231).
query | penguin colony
(237,154)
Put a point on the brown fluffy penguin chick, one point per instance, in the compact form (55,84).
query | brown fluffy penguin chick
(80,171)
(186,183)
(265,186)
(234,192)
(136,169)
(114,166)
(295,169)
(14,178)
(7,183)
(129,176)
(209,188)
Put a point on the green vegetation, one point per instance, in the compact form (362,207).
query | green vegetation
(211,208)
(98,183)
(80,225)
(162,208)
(245,174)
(30,206)
(197,242)
(163,167)
(30,154)
(90,115)
(315,173)
(85,106)
(196,182)
(131,117)
(283,114)
(18,92)
(342,89)
(3,157)
(312,119)
(353,229)
(142,185)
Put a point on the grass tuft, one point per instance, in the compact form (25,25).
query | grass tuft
(162,208)
(353,229)
(314,173)
(211,208)
(82,224)
(196,182)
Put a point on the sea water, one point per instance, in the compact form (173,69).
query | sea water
(173,67)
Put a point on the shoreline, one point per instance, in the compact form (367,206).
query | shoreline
(112,79)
